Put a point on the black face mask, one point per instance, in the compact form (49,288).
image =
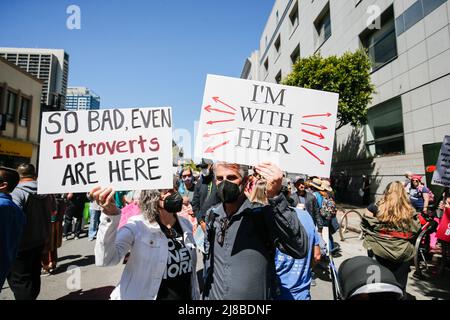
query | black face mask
(228,192)
(173,203)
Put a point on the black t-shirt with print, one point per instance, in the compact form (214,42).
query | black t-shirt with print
(176,282)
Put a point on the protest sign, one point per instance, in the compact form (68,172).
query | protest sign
(441,176)
(249,122)
(127,149)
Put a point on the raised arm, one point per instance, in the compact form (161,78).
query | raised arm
(287,231)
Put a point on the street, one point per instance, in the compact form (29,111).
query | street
(76,258)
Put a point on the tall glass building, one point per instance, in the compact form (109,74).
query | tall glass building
(82,98)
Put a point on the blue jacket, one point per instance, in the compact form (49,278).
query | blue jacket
(12,221)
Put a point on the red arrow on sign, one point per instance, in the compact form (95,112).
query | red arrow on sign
(209,109)
(318,115)
(316,144)
(311,153)
(315,126)
(219,121)
(216,99)
(212,149)
(208,135)
(320,136)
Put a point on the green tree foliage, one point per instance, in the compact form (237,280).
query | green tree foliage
(348,75)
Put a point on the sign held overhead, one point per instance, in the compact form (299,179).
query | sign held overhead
(441,176)
(249,122)
(127,149)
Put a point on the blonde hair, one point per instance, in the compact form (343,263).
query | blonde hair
(394,208)
(258,193)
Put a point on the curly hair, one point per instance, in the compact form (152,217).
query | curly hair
(148,203)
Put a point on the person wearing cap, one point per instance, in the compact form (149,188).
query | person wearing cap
(304,199)
(418,194)
(323,194)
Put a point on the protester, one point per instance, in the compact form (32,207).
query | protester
(390,227)
(187,184)
(205,193)
(25,276)
(241,236)
(418,194)
(327,208)
(159,267)
(304,199)
(295,275)
(94,218)
(12,221)
(50,254)
(74,209)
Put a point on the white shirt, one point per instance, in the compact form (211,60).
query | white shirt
(147,263)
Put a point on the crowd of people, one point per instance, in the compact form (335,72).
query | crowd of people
(258,233)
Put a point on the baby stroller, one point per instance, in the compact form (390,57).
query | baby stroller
(363,278)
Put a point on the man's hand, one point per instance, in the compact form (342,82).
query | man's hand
(273,176)
(105,199)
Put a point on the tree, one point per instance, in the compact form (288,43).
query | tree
(348,75)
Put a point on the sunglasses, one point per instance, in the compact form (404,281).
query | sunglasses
(223,228)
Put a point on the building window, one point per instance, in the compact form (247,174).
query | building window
(266,65)
(278,77)
(323,26)
(293,16)
(278,44)
(295,55)
(24,111)
(278,17)
(381,43)
(11,106)
(384,131)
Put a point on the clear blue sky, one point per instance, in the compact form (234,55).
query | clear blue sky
(142,53)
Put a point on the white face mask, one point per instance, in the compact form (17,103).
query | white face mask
(205,172)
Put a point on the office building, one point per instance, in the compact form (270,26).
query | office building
(82,98)
(49,65)
(408,42)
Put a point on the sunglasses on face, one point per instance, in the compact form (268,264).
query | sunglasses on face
(223,228)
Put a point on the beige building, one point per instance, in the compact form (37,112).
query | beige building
(409,44)
(20,106)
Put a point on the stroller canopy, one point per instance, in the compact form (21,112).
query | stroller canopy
(363,277)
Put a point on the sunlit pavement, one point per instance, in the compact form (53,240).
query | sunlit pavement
(97,283)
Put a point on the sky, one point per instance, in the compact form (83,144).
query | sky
(140,53)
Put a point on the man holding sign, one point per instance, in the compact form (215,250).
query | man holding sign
(242,236)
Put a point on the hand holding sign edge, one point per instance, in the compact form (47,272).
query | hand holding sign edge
(105,199)
(273,176)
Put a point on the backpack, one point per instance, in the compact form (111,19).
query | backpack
(37,228)
(328,209)
(430,194)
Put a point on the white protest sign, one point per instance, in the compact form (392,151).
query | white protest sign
(249,122)
(441,176)
(127,149)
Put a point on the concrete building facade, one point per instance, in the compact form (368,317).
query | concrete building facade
(409,44)
(82,98)
(49,65)
(20,103)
